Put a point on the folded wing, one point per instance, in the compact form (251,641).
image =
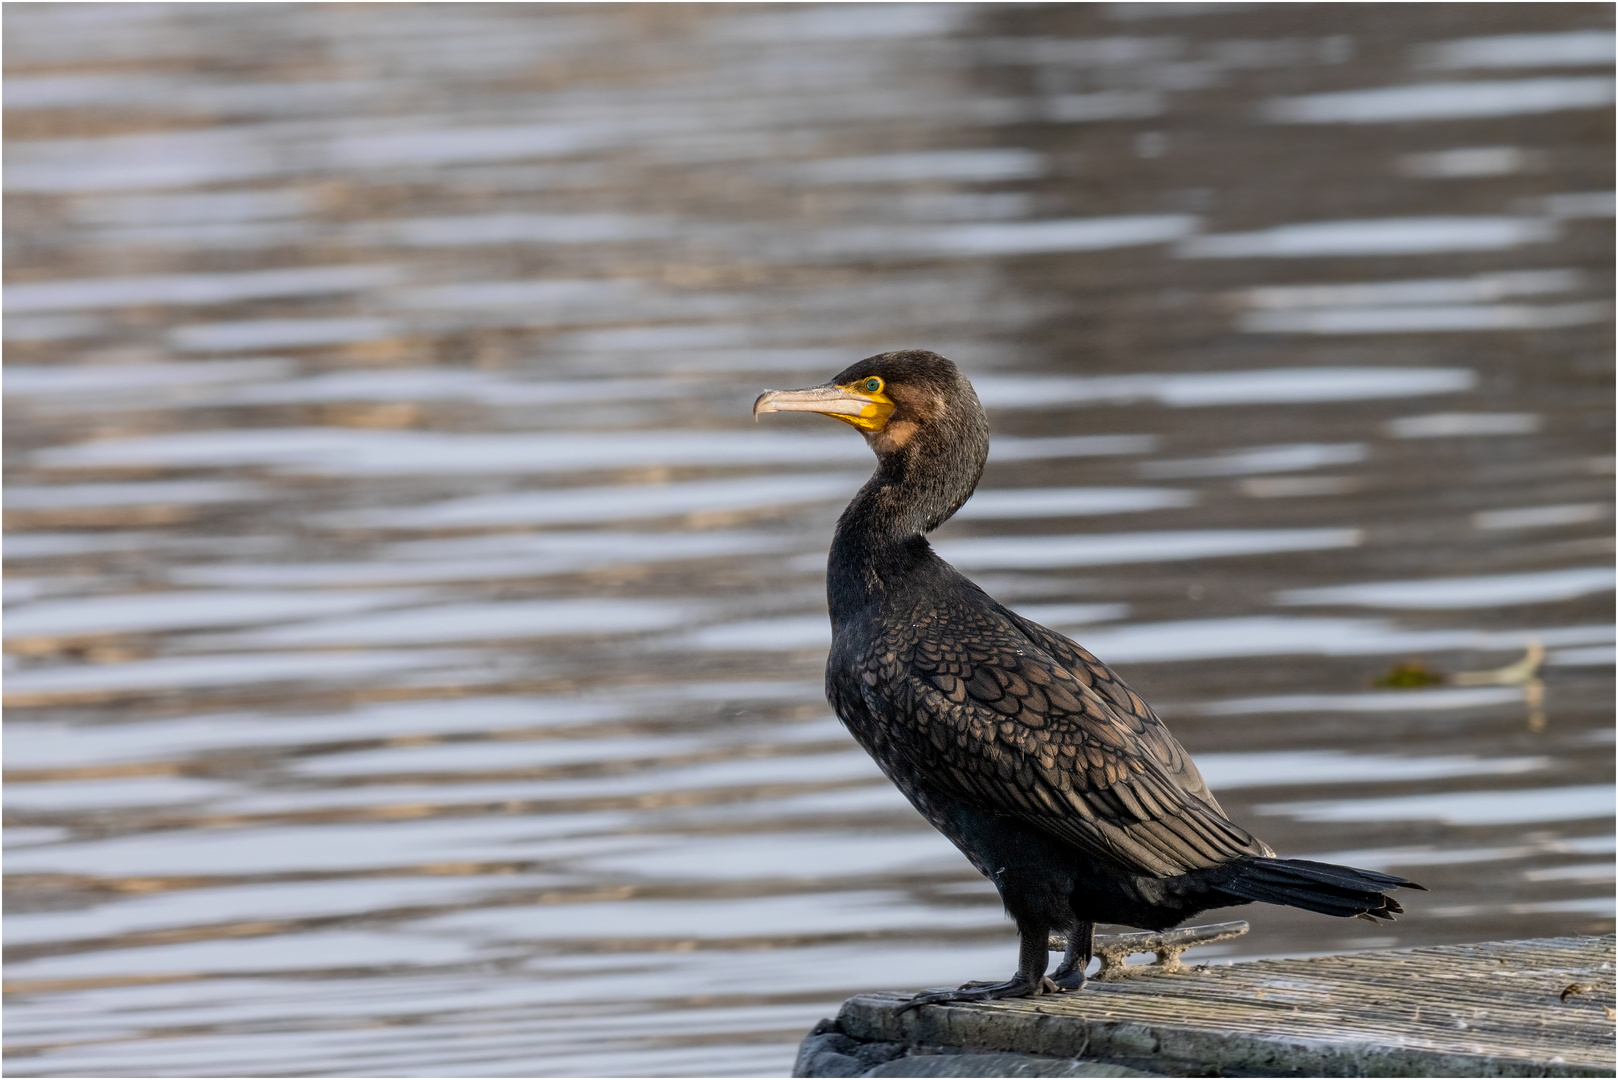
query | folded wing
(1012,718)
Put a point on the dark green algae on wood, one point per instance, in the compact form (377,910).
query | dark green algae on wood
(1539,1007)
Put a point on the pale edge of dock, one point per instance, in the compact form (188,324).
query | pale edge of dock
(1540,1007)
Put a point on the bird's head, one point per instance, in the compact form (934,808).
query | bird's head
(918,412)
(897,399)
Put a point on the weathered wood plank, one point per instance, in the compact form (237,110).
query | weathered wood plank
(1540,1007)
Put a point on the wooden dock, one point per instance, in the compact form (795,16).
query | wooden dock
(1541,1007)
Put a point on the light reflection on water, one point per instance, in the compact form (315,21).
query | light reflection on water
(1261,459)
(414,651)
(1269,386)
(167,382)
(1495,590)
(68,683)
(1024,552)
(154,492)
(1286,768)
(1572,48)
(474,558)
(191,290)
(1445,101)
(1280,635)
(147,612)
(1593,801)
(1070,502)
(1385,236)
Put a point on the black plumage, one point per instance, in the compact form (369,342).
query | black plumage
(1032,756)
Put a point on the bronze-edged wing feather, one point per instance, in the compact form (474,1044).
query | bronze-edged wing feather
(1128,705)
(1008,716)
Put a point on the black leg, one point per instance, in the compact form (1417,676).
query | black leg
(1080,946)
(1032,957)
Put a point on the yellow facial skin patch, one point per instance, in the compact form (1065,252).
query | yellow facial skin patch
(858,403)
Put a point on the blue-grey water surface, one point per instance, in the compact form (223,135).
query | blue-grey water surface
(413,651)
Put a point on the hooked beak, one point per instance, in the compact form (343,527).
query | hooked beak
(866,411)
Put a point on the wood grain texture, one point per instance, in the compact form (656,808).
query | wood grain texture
(1492,1009)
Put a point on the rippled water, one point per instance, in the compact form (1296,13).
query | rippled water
(413,651)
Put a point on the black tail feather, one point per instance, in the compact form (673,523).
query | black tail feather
(1331,890)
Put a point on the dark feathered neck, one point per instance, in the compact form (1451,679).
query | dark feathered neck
(880,538)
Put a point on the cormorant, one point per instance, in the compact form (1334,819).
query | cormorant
(1049,773)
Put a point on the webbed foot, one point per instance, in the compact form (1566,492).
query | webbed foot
(1014,987)
(1070,976)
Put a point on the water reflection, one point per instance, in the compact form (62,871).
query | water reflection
(256,334)
(1444,101)
(109,681)
(145,612)
(414,652)
(133,385)
(193,290)
(1571,48)
(590,505)
(1382,236)
(479,558)
(1280,635)
(1449,425)
(1494,591)
(1466,808)
(1026,552)
(989,164)
(1383,701)
(1540,517)
(155,492)
(339,452)
(1272,386)
(1071,234)
(1070,502)
(1469,161)
(1284,769)
(1261,459)
(1428,305)
(475,622)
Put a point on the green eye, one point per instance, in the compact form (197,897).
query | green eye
(872,385)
